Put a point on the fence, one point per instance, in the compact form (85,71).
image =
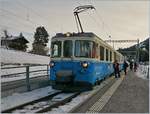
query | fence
(27,72)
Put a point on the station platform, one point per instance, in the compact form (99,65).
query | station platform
(128,94)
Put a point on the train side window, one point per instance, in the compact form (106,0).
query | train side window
(106,54)
(101,53)
(95,50)
(67,48)
(110,56)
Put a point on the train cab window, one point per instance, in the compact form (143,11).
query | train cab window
(107,55)
(84,48)
(101,53)
(110,56)
(67,48)
(56,49)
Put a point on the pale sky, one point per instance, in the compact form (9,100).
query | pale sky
(121,19)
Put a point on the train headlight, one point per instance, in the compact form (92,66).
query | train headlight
(84,64)
(52,64)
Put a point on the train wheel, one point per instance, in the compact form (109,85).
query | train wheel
(96,83)
(99,82)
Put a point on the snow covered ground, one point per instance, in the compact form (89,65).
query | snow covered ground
(18,99)
(77,101)
(143,71)
(21,98)
(14,100)
(12,56)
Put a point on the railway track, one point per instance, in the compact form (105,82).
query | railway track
(43,104)
(23,78)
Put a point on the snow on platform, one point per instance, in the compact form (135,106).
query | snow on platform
(19,99)
(143,71)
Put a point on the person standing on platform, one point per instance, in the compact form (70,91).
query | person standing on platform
(135,66)
(131,65)
(116,69)
(125,65)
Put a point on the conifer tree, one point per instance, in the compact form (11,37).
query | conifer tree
(40,41)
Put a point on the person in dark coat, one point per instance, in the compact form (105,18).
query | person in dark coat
(135,66)
(116,69)
(125,65)
(131,65)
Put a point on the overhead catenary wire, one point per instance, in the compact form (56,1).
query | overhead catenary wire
(19,22)
(104,24)
(11,28)
(32,10)
(15,30)
(10,16)
(97,23)
(15,15)
(7,26)
(15,25)
(27,19)
(35,13)
(20,18)
(99,16)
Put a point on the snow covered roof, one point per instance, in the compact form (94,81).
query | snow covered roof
(13,38)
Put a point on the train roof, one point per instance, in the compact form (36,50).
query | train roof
(84,34)
(68,34)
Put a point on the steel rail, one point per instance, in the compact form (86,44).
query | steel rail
(46,108)
(35,101)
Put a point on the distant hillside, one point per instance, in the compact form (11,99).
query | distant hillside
(144,50)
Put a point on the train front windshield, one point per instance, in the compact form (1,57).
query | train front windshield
(67,48)
(56,49)
(82,49)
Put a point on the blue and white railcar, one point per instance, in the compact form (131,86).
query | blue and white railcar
(80,59)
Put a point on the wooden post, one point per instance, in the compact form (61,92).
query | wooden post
(148,73)
(27,79)
(47,70)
